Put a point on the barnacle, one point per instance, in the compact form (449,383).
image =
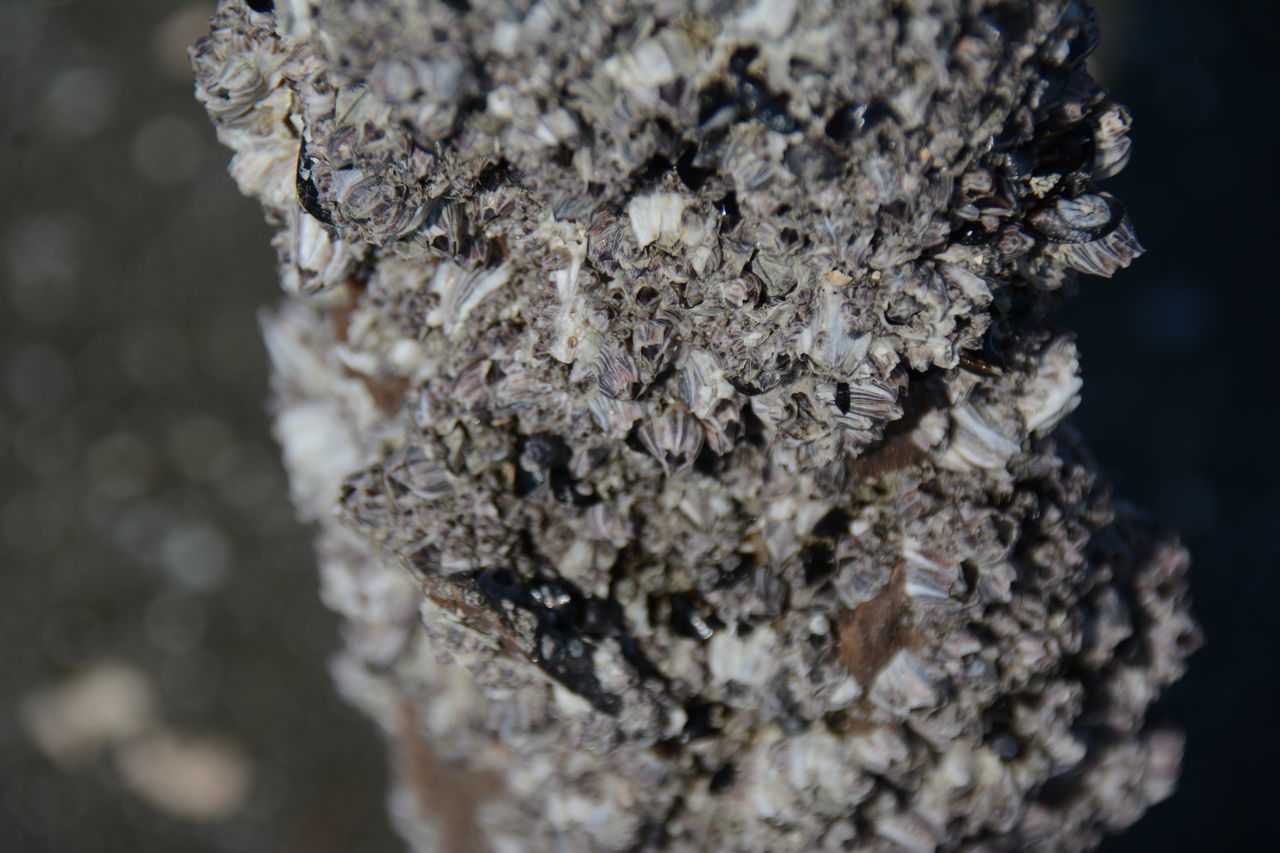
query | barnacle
(692,362)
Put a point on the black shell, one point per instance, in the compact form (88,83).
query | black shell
(1081,219)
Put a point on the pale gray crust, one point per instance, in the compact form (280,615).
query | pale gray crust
(673,385)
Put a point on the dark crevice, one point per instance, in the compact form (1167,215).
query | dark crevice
(730,214)
(691,175)
(308,194)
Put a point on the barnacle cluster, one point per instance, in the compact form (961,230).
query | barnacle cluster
(675,387)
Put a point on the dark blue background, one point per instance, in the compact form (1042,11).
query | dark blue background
(1180,383)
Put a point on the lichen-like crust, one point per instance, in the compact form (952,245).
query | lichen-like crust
(673,385)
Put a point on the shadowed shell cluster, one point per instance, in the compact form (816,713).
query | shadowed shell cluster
(674,386)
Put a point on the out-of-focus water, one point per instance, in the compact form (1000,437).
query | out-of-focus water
(148,542)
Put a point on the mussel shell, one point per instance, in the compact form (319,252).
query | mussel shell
(1081,219)
(308,194)
(1112,145)
(1089,34)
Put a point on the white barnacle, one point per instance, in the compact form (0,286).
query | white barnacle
(1105,256)
(657,218)
(905,683)
(673,438)
(409,473)
(723,426)
(320,262)
(909,832)
(461,291)
(701,383)
(616,373)
(642,70)
(1054,388)
(1111,141)
(830,340)
(614,417)
(928,577)
(976,442)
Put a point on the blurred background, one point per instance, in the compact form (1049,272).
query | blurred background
(150,567)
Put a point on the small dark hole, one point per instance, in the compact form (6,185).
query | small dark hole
(972,234)
(818,561)
(874,114)
(308,194)
(1058,789)
(833,525)
(730,577)
(546,450)
(896,209)
(842,397)
(970,573)
(752,426)
(1010,22)
(494,175)
(712,100)
(563,156)
(702,720)
(846,121)
(525,482)
(722,779)
(707,462)
(633,441)
(732,215)
(653,169)
(263,6)
(687,621)
(692,176)
(742,59)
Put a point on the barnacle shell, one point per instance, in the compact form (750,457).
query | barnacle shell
(233,85)
(1082,219)
(617,374)
(673,438)
(673,389)
(976,442)
(1054,387)
(321,263)
(1112,144)
(702,384)
(410,473)
(1103,257)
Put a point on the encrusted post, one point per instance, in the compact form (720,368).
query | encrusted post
(675,388)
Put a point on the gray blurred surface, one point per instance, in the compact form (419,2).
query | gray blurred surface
(143,513)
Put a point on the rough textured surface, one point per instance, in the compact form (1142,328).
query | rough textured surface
(681,379)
